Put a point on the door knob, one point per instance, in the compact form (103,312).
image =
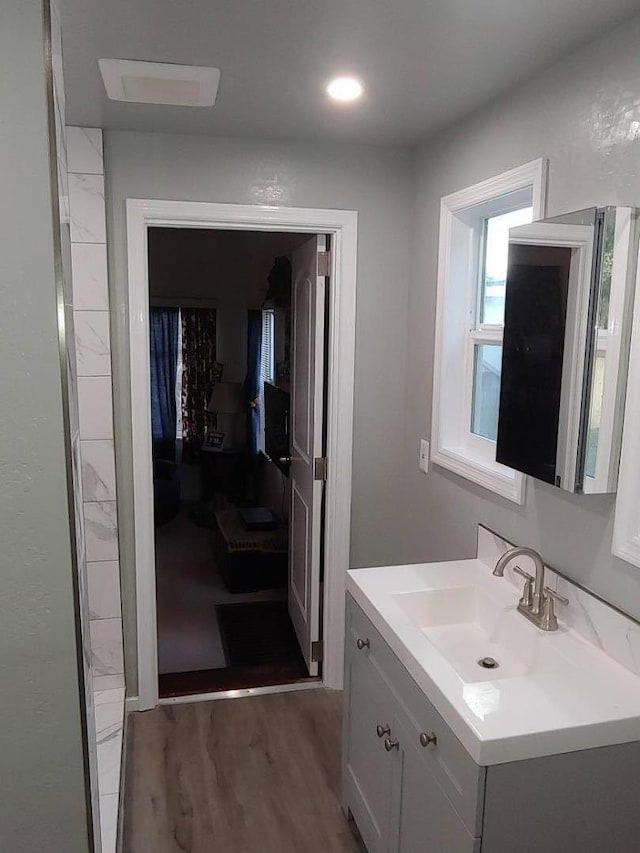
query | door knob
(362,644)
(427,738)
(391,744)
(381,731)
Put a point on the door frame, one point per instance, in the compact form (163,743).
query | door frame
(342,226)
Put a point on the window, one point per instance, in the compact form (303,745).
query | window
(267,351)
(472,271)
(486,333)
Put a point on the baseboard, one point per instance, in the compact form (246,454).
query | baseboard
(131,703)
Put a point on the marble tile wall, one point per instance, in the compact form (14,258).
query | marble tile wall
(92,355)
(599,623)
(109,705)
(93,358)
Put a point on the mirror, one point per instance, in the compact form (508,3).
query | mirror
(569,299)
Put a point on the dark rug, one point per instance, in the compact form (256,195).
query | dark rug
(258,633)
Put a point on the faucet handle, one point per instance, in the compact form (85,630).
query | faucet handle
(526,600)
(549,621)
(556,595)
(522,572)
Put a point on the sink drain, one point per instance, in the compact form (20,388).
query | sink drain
(488,663)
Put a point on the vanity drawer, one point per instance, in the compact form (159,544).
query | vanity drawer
(362,636)
(457,774)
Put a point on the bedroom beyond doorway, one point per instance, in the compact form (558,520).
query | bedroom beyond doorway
(221,353)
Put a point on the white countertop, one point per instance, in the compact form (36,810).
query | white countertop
(583,699)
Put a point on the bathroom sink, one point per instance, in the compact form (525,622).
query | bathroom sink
(483,638)
(432,608)
(552,691)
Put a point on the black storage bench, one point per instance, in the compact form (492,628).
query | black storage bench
(249,560)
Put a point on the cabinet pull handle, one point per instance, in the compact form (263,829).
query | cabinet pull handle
(427,738)
(381,731)
(363,644)
(390,744)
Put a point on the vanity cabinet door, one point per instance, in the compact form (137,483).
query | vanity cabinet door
(426,821)
(367,764)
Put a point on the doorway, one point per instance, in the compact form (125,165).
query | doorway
(342,227)
(223,309)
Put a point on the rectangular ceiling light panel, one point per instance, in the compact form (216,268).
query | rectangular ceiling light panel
(159,82)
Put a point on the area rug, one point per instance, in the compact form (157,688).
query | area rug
(258,633)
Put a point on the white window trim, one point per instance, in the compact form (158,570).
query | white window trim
(471,457)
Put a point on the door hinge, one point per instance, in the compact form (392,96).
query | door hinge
(316,651)
(320,468)
(324,263)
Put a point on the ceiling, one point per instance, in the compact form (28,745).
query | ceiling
(424,63)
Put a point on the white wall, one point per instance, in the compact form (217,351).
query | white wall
(584,115)
(375,182)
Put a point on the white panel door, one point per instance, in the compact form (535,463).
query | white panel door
(307,399)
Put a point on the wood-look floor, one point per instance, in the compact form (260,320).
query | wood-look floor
(251,775)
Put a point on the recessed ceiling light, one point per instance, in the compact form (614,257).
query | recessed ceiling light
(345,89)
(159,82)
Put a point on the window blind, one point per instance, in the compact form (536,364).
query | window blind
(267,349)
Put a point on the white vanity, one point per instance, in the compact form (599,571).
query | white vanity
(446,753)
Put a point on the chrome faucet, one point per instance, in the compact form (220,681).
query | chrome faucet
(537,602)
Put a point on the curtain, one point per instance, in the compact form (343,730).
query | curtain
(253,381)
(163,341)
(199,373)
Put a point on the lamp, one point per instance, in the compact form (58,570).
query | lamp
(226,403)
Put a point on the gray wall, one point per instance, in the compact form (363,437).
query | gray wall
(375,182)
(42,792)
(583,115)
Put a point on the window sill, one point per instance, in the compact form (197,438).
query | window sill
(492,476)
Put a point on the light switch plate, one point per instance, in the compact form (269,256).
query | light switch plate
(424,456)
